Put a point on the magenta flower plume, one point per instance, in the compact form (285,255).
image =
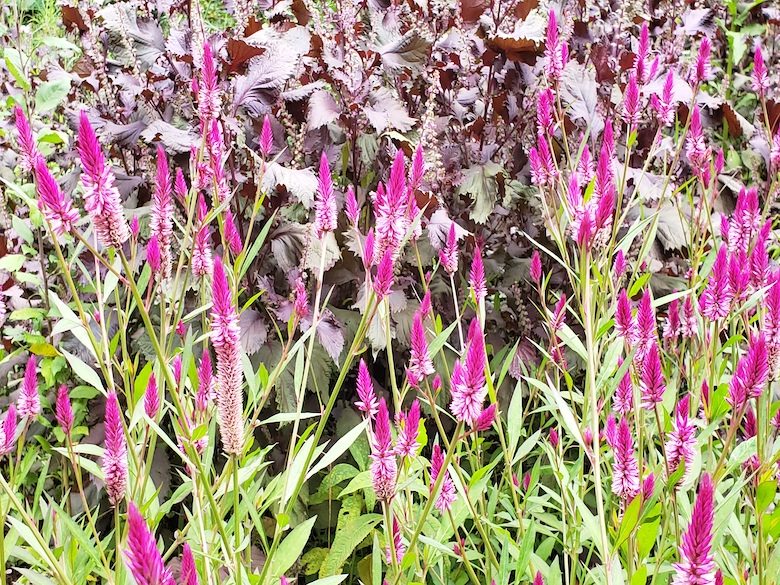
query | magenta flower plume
(771,324)
(326,214)
(383,281)
(232,236)
(384,471)
(554,438)
(697,565)
(266,137)
(625,470)
(425,305)
(115,454)
(448,255)
(689,324)
(406,446)
(556,51)
(586,168)
(664,105)
(703,69)
(135,227)
(368,250)
(351,206)
(420,364)
(64,410)
(365,389)
(390,207)
(536,267)
(189,573)
(631,102)
(672,323)
(485,419)
(641,68)
(447,493)
(202,262)
(31,157)
(301,301)
(152,397)
(418,168)
(696,148)
(161,224)
(648,487)
(225,335)
(205,391)
(101,197)
(623,401)
(619,265)
(209,96)
(752,373)
(544,111)
(715,301)
(468,387)
(8,431)
(759,76)
(142,555)
(681,441)
(538,580)
(28,404)
(56,207)
(646,331)
(180,188)
(477,280)
(153,255)
(624,319)
(398,545)
(652,382)
(745,221)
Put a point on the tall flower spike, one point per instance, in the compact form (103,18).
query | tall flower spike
(232,236)
(383,281)
(189,573)
(703,70)
(681,441)
(631,103)
(624,319)
(418,168)
(696,148)
(477,277)
(101,197)
(365,390)
(697,565)
(447,493)
(646,331)
(351,206)
(64,410)
(544,111)
(448,255)
(56,207)
(485,419)
(180,186)
(641,67)
(759,77)
(664,105)
(384,470)
(468,387)
(161,224)
(266,137)
(536,267)
(205,391)
(672,323)
(652,382)
(209,98)
(625,470)
(752,373)
(771,325)
(390,208)
(420,364)
(715,301)
(538,580)
(31,157)
(325,217)
(406,446)
(8,431)
(225,335)
(153,255)
(557,52)
(115,455)
(29,402)
(152,398)
(301,301)
(142,556)
(623,401)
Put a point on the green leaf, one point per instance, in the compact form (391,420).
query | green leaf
(289,551)
(51,94)
(347,539)
(83,371)
(339,448)
(629,522)
(640,577)
(11,262)
(645,537)
(765,495)
(13,62)
(480,184)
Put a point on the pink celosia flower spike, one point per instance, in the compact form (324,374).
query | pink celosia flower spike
(8,431)
(135,227)
(64,410)
(752,373)
(703,70)
(406,446)
(29,402)
(56,207)
(115,455)
(384,470)
(759,77)
(477,277)
(631,104)
(648,487)
(326,215)
(266,137)
(420,364)
(225,335)
(771,325)
(623,401)
(624,319)
(536,267)
(365,390)
(301,301)
(161,224)
(557,52)
(383,281)
(652,380)
(696,148)
(142,556)
(664,105)
(715,301)
(485,419)
(390,207)
(153,255)
(205,391)
(646,331)
(468,387)
(538,580)
(448,255)
(189,573)
(697,565)
(351,206)
(101,197)
(625,470)
(30,154)
(151,398)
(418,168)
(232,236)
(681,441)
(447,493)
(209,98)
(180,188)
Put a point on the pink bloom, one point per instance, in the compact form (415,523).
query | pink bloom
(383,281)
(681,441)
(420,364)
(205,383)
(739,275)
(202,262)
(180,187)
(624,319)
(418,168)
(631,101)
(447,493)
(610,431)
(556,51)
(390,208)
(448,255)
(216,163)
(365,390)
(398,545)
(189,573)
(672,324)
(225,335)
(368,250)
(623,401)
(181,329)
(774,151)
(752,373)
(351,206)
(625,470)
(232,236)
(555,439)
(646,332)
(538,580)
(161,224)
(536,267)
(619,265)
(142,556)
(648,487)
(485,419)
(384,471)
(641,68)
(8,431)
(29,402)
(266,137)
(697,565)
(425,305)
(135,227)
(115,454)
(64,411)
(31,157)
(544,111)
(153,255)
(468,387)
(301,302)
(406,446)
(209,96)
(759,265)
(152,398)
(477,277)
(326,214)
(745,221)
(689,325)
(665,106)
(102,200)
(586,168)
(57,207)
(696,148)
(652,382)
(771,325)
(703,70)
(759,77)
(715,301)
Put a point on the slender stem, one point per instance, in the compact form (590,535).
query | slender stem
(236,517)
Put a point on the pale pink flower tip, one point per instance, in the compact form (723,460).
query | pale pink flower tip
(325,218)
(697,565)
(142,556)
(30,154)
(477,276)
(152,397)
(538,580)
(57,208)
(29,402)
(447,493)
(115,455)
(161,224)
(64,411)
(625,470)
(468,387)
(189,573)
(536,267)
(420,364)
(557,52)
(448,255)
(384,470)
(209,98)
(365,389)
(681,441)
(266,137)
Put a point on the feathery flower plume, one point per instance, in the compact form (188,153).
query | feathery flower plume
(681,441)
(180,188)
(301,301)
(625,470)
(202,262)
(672,323)
(536,267)
(715,301)
(538,580)
(398,545)
(365,389)
(29,402)
(745,221)
(624,319)
(586,167)
(115,455)
(623,401)
(161,224)
(205,391)
(135,227)
(368,250)
(56,207)
(448,255)
(216,167)
(31,157)
(646,331)
(101,197)
(641,68)
(485,419)
(648,487)
(406,446)
(189,574)
(771,325)
(477,277)
(703,69)
(759,77)
(425,305)
(152,398)
(142,556)
(468,387)
(390,208)
(225,335)
(696,148)
(266,137)
(631,101)
(619,265)
(420,364)
(652,382)
(351,206)
(447,493)
(384,470)
(664,105)
(544,111)
(232,236)
(153,255)
(689,325)
(209,96)
(383,281)
(739,275)
(697,565)
(64,410)
(326,214)
(8,431)
(752,373)
(418,168)
(556,51)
